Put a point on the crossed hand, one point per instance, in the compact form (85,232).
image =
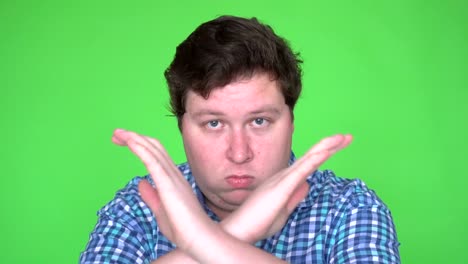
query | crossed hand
(181,217)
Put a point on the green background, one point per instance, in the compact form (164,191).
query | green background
(392,73)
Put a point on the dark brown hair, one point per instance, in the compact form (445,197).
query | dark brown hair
(225,49)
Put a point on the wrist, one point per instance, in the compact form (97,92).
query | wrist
(210,247)
(233,228)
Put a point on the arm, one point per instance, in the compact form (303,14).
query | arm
(270,205)
(201,240)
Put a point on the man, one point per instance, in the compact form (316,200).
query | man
(233,85)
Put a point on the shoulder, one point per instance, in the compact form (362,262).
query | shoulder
(126,224)
(326,187)
(127,201)
(127,205)
(339,213)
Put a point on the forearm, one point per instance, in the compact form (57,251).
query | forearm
(225,245)
(239,254)
(175,256)
(221,247)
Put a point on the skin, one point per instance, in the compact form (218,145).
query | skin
(242,129)
(249,214)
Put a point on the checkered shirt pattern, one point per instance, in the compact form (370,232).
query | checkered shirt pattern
(340,221)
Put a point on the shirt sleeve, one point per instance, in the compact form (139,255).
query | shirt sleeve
(366,234)
(125,231)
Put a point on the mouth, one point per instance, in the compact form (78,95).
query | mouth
(240,181)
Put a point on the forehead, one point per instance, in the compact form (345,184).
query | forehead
(260,90)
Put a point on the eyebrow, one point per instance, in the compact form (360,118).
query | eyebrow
(204,112)
(269,109)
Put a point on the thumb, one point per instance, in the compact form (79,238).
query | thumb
(297,196)
(150,196)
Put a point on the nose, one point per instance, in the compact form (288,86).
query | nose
(239,150)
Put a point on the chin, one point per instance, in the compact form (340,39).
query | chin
(237,197)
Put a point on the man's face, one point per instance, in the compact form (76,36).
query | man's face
(236,139)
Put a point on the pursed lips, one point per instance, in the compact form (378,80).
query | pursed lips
(240,181)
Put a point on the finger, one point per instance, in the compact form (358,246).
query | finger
(159,165)
(121,137)
(328,143)
(155,167)
(156,144)
(302,168)
(162,153)
(347,139)
(313,159)
(297,196)
(151,198)
(163,157)
(149,195)
(118,137)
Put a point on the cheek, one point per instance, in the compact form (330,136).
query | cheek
(279,140)
(273,152)
(193,148)
(199,145)
(202,153)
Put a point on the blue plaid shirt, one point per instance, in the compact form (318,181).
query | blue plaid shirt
(340,221)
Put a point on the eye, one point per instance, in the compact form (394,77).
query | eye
(258,122)
(213,124)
